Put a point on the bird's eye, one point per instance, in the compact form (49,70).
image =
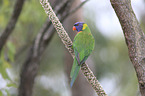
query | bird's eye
(76,25)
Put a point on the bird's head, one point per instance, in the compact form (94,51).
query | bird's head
(79,26)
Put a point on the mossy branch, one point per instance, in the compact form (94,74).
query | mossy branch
(67,42)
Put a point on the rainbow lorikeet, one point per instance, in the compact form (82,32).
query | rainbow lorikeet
(83,45)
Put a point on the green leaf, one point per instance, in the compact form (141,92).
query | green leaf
(12,85)
(11,51)
(3,66)
(8,94)
(1,94)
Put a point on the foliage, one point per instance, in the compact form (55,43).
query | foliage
(7,57)
(5,11)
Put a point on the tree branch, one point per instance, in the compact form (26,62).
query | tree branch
(134,36)
(31,65)
(67,42)
(11,25)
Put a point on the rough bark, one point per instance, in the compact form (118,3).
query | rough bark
(12,22)
(135,38)
(67,42)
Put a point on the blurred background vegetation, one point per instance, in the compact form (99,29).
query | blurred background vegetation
(109,61)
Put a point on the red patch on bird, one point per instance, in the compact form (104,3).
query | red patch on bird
(74,28)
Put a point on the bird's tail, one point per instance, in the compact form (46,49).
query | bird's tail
(74,71)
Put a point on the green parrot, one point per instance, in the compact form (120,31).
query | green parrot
(83,45)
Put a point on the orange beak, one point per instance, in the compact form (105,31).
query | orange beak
(74,28)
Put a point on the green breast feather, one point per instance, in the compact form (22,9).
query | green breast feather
(83,43)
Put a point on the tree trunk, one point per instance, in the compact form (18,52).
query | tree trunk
(134,36)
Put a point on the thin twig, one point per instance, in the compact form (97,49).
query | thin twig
(67,42)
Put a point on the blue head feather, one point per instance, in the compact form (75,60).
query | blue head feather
(79,26)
